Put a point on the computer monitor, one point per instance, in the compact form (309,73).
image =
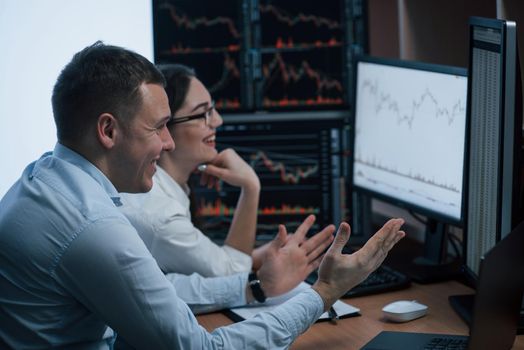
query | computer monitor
(495,188)
(302,162)
(302,55)
(409,142)
(495,99)
(262,55)
(209,38)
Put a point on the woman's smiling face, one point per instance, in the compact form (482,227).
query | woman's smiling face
(195,141)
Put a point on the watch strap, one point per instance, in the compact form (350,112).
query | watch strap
(256,289)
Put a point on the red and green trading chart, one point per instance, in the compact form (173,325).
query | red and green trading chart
(301,167)
(259,54)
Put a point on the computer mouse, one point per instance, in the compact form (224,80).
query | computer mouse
(404,310)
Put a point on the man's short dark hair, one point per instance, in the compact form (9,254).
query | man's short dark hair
(100,79)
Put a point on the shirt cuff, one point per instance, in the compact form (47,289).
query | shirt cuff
(301,311)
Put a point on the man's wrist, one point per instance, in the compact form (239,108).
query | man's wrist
(255,288)
(249,296)
(325,293)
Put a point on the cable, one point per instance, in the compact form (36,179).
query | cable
(456,243)
(418,218)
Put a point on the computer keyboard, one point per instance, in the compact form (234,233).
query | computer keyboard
(446,344)
(383,279)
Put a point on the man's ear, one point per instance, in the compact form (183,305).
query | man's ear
(107,130)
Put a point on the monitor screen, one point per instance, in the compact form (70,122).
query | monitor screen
(302,164)
(409,135)
(261,55)
(495,183)
(495,137)
(302,54)
(208,38)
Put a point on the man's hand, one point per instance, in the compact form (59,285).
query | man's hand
(339,272)
(289,259)
(231,168)
(259,254)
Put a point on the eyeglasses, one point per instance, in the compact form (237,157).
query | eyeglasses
(206,115)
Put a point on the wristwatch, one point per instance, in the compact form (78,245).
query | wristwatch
(256,289)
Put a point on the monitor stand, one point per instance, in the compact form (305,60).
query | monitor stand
(434,265)
(463,306)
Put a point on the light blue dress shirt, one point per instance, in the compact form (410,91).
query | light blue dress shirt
(71,266)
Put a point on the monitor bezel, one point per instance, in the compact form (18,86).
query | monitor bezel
(471,276)
(430,67)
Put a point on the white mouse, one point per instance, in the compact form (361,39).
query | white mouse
(404,310)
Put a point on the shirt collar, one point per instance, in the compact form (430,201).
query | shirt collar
(70,156)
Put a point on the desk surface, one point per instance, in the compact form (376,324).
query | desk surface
(353,333)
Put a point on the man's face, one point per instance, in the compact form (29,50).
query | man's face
(143,139)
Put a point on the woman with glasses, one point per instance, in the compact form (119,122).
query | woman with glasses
(162,216)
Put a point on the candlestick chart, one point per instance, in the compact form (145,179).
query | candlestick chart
(298,167)
(259,54)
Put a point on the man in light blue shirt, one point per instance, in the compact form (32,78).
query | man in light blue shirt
(73,270)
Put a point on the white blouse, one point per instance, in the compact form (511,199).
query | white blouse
(163,221)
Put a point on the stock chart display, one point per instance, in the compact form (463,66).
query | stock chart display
(293,79)
(397,108)
(207,38)
(259,54)
(302,54)
(300,169)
